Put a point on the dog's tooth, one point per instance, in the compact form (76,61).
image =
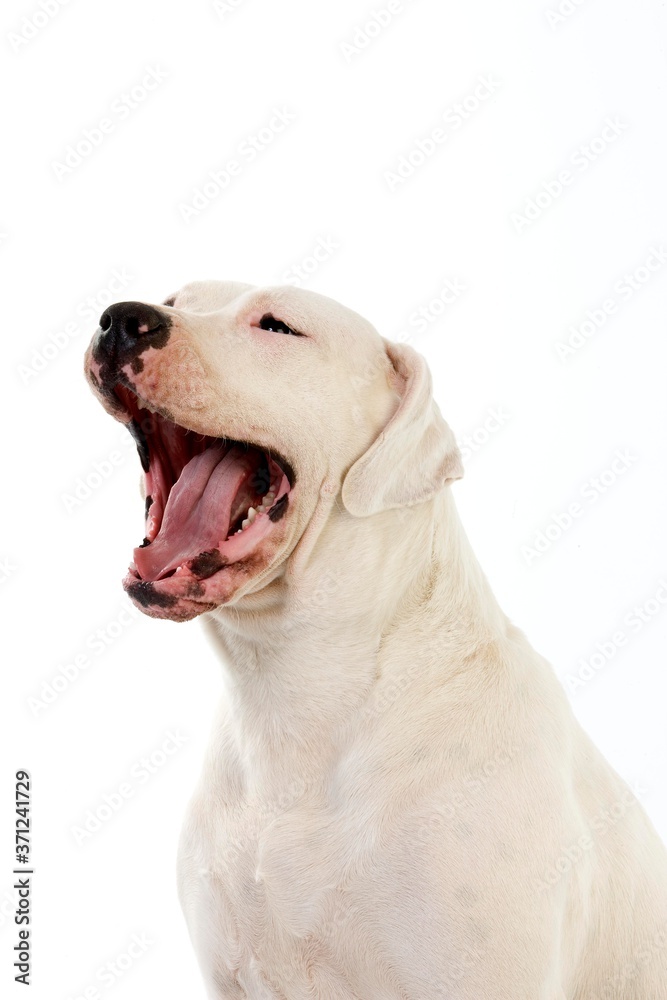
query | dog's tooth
(244,524)
(252,514)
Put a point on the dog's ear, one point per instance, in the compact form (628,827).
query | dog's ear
(415,456)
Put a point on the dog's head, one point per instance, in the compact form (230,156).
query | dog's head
(251,407)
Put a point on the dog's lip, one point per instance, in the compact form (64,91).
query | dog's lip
(183,586)
(171,598)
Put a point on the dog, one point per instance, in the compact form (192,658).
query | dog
(397,801)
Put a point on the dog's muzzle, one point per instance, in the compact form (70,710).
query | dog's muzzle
(212,503)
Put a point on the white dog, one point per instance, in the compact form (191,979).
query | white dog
(398,801)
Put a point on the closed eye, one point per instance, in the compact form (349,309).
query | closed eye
(269,322)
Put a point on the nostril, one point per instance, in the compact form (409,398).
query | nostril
(105,320)
(148,323)
(129,325)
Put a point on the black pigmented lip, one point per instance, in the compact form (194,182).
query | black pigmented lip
(207,563)
(145,593)
(279,508)
(141,441)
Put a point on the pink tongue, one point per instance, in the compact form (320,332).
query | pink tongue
(196,518)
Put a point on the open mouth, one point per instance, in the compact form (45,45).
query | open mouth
(209,501)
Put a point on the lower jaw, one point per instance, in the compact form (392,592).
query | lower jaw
(213,577)
(164,600)
(184,595)
(180,598)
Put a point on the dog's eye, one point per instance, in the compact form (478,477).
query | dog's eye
(269,322)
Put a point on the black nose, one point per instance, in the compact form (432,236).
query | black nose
(126,329)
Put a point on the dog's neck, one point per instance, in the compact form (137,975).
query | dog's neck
(311,651)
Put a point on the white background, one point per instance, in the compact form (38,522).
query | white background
(358,104)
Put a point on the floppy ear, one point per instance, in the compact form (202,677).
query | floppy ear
(416,454)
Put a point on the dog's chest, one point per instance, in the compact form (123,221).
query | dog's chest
(266,905)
